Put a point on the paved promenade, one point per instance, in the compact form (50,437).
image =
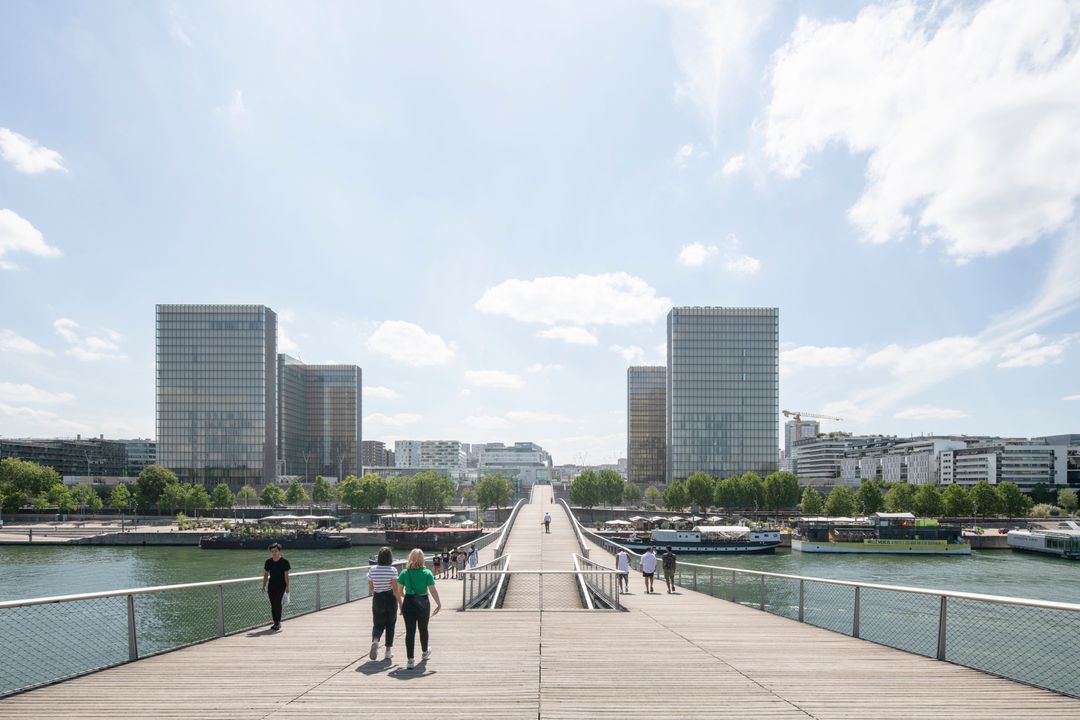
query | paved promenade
(680,656)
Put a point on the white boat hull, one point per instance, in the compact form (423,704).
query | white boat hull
(854,549)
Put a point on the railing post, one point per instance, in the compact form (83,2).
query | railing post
(348,596)
(463,594)
(732,586)
(695,577)
(855,620)
(941,628)
(761,594)
(133,645)
(802,600)
(541,593)
(221,610)
(712,583)
(318,591)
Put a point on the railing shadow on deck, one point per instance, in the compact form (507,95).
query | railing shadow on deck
(1030,641)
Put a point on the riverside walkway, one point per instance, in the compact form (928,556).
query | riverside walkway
(684,655)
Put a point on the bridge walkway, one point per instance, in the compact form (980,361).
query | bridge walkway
(530,548)
(683,655)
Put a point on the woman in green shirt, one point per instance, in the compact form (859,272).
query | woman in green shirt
(417,580)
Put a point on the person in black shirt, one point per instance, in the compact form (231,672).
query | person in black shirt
(276,571)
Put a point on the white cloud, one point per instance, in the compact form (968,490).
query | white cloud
(380,392)
(89,348)
(1071,397)
(176,28)
(950,353)
(493,379)
(537,417)
(28,156)
(929,412)
(967,113)
(12,341)
(661,350)
(570,334)
(378,421)
(586,449)
(712,42)
(409,344)
(28,421)
(849,410)
(540,367)
(487,422)
(812,356)
(683,155)
(695,254)
(633,355)
(23,393)
(237,108)
(285,343)
(607,299)
(1033,351)
(18,235)
(734,165)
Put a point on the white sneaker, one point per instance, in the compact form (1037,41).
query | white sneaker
(410,665)
(389,655)
(374,652)
(426,655)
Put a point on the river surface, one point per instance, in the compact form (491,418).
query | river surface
(41,571)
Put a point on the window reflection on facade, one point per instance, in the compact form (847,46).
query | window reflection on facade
(723,391)
(646,408)
(319,419)
(216,392)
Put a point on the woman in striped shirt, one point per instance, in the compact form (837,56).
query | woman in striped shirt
(385,602)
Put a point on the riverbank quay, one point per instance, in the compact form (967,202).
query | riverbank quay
(141,535)
(683,655)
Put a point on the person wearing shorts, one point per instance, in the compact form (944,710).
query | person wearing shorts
(648,568)
(622,564)
(668,560)
(436,564)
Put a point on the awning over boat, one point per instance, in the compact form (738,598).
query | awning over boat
(722,531)
(616,522)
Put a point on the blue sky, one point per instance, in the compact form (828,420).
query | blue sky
(489,207)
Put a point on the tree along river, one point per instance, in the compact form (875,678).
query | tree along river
(46,570)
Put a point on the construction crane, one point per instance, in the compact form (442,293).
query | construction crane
(799,415)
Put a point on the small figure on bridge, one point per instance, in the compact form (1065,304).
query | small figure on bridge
(547,522)
(622,564)
(648,568)
(669,559)
(276,582)
(474,557)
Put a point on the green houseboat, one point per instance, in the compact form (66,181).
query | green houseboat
(882,534)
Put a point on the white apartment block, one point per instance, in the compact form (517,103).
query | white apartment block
(429,454)
(520,454)
(1024,463)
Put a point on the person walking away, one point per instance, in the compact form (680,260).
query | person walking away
(461,563)
(436,564)
(474,557)
(668,560)
(445,563)
(547,522)
(385,602)
(622,564)
(417,580)
(648,568)
(276,582)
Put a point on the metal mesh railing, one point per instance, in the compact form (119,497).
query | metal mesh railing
(1030,641)
(49,639)
(537,590)
(479,586)
(599,584)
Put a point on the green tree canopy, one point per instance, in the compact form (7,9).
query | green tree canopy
(675,496)
(811,501)
(120,498)
(495,491)
(841,501)
(85,497)
(222,498)
(272,495)
(21,480)
(955,500)
(1042,493)
(172,498)
(868,497)
(247,495)
(984,499)
(781,491)
(632,494)
(751,491)
(60,497)
(726,493)
(366,493)
(296,494)
(431,491)
(151,484)
(398,493)
(585,490)
(900,498)
(927,501)
(653,495)
(323,492)
(196,498)
(1066,500)
(610,486)
(1014,502)
(700,489)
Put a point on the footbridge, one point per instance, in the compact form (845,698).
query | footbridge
(539,631)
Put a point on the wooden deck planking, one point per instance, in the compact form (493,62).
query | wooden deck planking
(531,548)
(682,655)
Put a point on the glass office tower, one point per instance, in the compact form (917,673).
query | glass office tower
(646,422)
(217,392)
(723,391)
(319,422)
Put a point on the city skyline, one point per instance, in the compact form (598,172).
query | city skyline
(494,238)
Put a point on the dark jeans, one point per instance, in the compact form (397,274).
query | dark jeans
(417,612)
(383,616)
(275,592)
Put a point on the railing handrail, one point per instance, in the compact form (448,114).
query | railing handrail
(507,526)
(26,602)
(583,586)
(933,592)
(577,528)
(537,572)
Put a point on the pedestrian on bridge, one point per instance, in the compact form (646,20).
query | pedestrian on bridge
(417,581)
(547,522)
(669,561)
(648,568)
(622,564)
(474,557)
(276,582)
(385,602)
